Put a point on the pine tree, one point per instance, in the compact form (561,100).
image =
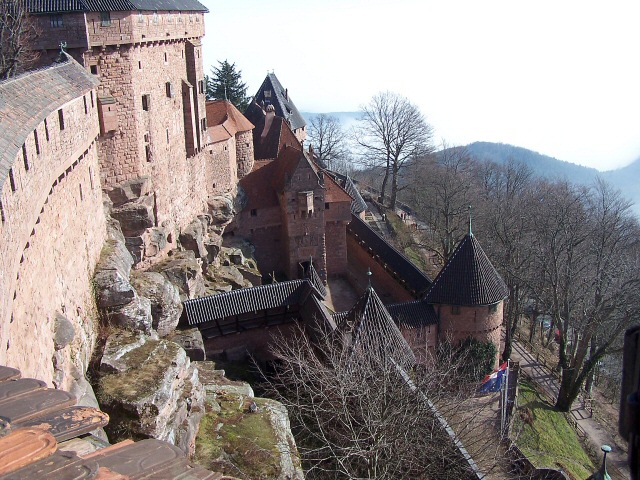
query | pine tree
(226,83)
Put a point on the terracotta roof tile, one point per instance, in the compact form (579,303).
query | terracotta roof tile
(468,278)
(224,113)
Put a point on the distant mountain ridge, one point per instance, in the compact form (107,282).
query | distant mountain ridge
(627,179)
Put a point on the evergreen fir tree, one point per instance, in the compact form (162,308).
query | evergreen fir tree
(226,83)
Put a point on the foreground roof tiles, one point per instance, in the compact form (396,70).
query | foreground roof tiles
(224,120)
(468,278)
(26,100)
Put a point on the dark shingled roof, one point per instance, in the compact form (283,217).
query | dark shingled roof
(26,100)
(413,278)
(358,204)
(369,326)
(414,314)
(248,300)
(50,6)
(468,278)
(284,106)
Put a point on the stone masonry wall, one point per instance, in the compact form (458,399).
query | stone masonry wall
(221,170)
(244,153)
(481,323)
(150,137)
(305,233)
(53,228)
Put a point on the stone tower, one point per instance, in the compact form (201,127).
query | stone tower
(468,295)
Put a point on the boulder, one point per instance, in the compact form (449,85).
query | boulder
(221,209)
(215,383)
(63,332)
(192,238)
(164,296)
(130,190)
(155,240)
(135,217)
(136,315)
(156,394)
(112,274)
(231,276)
(184,271)
(191,341)
(116,347)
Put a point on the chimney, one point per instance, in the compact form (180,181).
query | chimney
(286,93)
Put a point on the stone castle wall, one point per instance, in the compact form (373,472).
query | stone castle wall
(53,228)
(244,153)
(150,137)
(481,323)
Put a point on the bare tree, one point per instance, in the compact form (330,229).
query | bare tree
(587,275)
(440,191)
(328,139)
(17,33)
(354,415)
(502,214)
(391,133)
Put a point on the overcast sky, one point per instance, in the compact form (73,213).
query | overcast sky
(558,77)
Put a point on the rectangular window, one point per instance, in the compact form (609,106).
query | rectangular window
(147,152)
(84,100)
(169,89)
(201,86)
(166,58)
(140,17)
(12,180)
(326,206)
(155,17)
(81,196)
(105,19)
(35,139)
(139,65)
(167,136)
(254,212)
(92,104)
(25,159)
(46,130)
(55,21)
(4,219)
(94,69)
(203,123)
(146,102)
(61,119)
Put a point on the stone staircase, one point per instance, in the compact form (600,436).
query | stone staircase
(44,434)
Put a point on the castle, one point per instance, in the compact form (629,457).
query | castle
(123,111)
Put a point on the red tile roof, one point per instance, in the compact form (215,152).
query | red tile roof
(225,120)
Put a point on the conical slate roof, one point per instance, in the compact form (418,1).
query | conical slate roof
(371,328)
(468,278)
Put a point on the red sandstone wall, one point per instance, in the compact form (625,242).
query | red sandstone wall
(51,235)
(386,286)
(336,239)
(478,322)
(305,234)
(256,342)
(180,184)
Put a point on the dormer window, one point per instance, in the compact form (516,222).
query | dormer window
(105,19)
(267,94)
